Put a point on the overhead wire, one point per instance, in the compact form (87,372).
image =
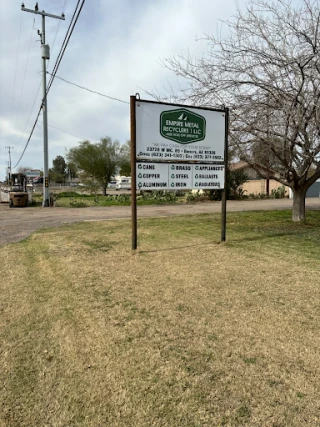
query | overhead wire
(25,70)
(35,99)
(68,133)
(16,68)
(65,43)
(90,90)
(57,29)
(71,27)
(31,133)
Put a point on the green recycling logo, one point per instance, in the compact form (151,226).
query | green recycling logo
(182,126)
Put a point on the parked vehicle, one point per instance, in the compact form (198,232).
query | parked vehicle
(112,184)
(38,180)
(124,183)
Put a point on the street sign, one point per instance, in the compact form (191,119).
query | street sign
(165,133)
(179,176)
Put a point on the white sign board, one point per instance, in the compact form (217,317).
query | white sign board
(168,133)
(178,176)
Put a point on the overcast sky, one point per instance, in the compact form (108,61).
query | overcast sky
(117,48)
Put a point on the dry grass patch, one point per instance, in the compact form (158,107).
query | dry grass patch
(186,332)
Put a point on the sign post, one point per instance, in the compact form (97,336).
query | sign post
(224,194)
(133,171)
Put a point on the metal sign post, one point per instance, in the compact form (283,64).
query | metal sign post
(224,194)
(133,171)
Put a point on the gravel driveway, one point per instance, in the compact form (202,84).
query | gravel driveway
(18,223)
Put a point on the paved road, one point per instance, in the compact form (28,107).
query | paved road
(18,223)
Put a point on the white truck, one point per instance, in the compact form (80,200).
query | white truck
(124,183)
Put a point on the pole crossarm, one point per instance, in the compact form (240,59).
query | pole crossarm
(43,13)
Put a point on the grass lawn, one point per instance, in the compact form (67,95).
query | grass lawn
(184,332)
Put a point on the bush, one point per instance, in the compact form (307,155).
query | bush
(198,196)
(67,194)
(278,193)
(77,204)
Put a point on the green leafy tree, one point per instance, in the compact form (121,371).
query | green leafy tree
(97,161)
(58,171)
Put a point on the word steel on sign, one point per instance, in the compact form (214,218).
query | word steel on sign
(178,176)
(165,133)
(177,147)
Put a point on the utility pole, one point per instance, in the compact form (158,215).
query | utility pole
(9,164)
(7,174)
(45,54)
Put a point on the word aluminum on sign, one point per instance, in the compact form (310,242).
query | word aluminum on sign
(152,176)
(177,176)
(168,133)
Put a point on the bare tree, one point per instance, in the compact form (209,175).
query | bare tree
(268,71)
(23,169)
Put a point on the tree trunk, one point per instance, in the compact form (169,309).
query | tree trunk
(104,190)
(299,204)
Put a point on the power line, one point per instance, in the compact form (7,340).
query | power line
(15,73)
(90,90)
(68,133)
(64,40)
(58,27)
(25,70)
(31,133)
(63,48)
(35,99)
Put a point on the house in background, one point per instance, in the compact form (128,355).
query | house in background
(256,183)
(314,190)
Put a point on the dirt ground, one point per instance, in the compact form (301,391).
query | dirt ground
(18,223)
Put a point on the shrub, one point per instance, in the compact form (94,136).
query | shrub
(278,193)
